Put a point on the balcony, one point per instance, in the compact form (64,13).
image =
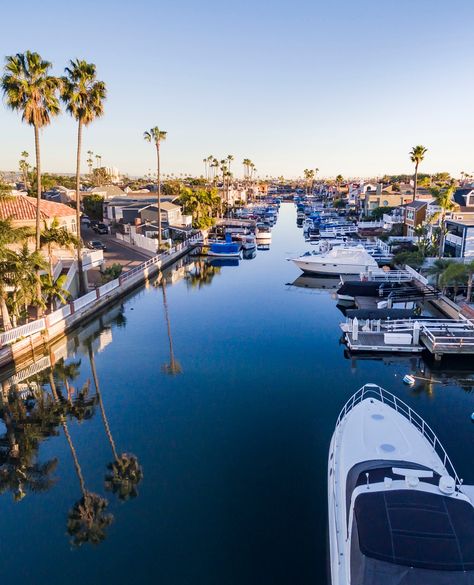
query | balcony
(454,240)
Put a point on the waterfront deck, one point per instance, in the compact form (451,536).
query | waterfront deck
(374,341)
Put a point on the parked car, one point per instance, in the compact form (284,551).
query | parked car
(96,245)
(85,220)
(100,228)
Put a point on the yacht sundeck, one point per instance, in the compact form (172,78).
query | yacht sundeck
(398,512)
(338,261)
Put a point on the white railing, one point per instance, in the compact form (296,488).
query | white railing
(71,273)
(370,224)
(59,315)
(416,275)
(108,286)
(84,300)
(452,239)
(57,270)
(92,258)
(22,331)
(389,276)
(374,391)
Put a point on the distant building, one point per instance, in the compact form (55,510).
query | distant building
(459,238)
(464,197)
(415,215)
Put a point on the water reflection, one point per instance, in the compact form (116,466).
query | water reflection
(201,273)
(317,282)
(173,367)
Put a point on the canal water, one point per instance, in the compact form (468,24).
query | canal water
(223,389)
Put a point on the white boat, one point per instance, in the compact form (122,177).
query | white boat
(398,512)
(263,235)
(338,261)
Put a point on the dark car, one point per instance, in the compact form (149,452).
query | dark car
(96,245)
(100,228)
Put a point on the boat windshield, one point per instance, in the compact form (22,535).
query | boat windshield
(416,529)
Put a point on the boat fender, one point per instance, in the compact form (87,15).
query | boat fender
(472,417)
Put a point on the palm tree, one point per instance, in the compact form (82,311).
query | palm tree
(443,199)
(155,136)
(54,290)
(83,96)
(439,266)
(470,276)
(24,168)
(455,276)
(8,235)
(54,234)
(230,158)
(125,472)
(24,264)
(417,154)
(339,180)
(174,367)
(28,88)
(90,161)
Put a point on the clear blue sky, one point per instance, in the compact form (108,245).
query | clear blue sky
(348,86)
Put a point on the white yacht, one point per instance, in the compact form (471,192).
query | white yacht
(338,261)
(398,512)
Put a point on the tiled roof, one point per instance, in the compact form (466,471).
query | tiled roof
(21,207)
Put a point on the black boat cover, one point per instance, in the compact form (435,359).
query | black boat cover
(412,537)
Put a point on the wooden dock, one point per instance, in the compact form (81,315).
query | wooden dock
(373,341)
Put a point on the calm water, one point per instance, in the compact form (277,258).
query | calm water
(233,446)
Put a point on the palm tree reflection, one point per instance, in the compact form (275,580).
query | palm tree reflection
(174,367)
(124,472)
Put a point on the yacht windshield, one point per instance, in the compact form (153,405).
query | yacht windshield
(416,529)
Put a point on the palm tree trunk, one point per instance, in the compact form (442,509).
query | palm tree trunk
(441,237)
(101,403)
(80,270)
(158,176)
(469,287)
(7,323)
(38,184)
(415,183)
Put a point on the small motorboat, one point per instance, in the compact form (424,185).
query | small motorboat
(225,249)
(398,512)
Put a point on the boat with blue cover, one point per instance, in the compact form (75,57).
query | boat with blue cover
(225,249)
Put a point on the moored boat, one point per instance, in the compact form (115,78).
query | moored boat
(398,512)
(338,261)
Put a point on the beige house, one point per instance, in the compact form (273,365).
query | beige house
(21,210)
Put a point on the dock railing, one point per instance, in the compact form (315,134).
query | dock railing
(375,391)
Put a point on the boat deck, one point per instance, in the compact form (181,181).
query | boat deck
(375,341)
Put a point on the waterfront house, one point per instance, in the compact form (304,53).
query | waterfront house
(171,214)
(106,191)
(459,239)
(21,210)
(464,197)
(415,215)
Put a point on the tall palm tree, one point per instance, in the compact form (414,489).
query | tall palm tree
(90,161)
(83,96)
(125,472)
(30,89)
(444,199)
(339,180)
(155,136)
(230,158)
(24,264)
(417,154)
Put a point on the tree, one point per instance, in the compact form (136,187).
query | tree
(54,290)
(339,180)
(470,276)
(30,89)
(417,154)
(90,161)
(155,136)
(173,367)
(438,267)
(93,206)
(454,275)
(8,235)
(443,199)
(52,235)
(84,98)
(24,168)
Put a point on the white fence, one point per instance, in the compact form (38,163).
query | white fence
(416,275)
(59,315)
(23,331)
(108,286)
(84,300)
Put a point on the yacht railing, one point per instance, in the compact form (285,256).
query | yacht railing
(373,390)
